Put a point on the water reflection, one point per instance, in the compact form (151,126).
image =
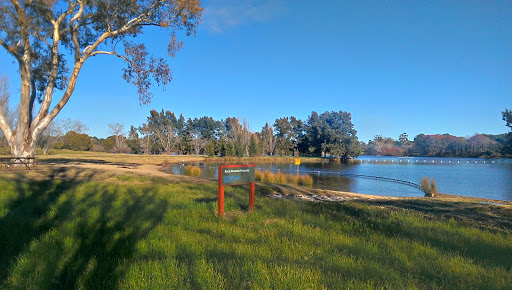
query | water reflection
(461,176)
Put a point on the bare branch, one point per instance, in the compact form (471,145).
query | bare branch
(117,55)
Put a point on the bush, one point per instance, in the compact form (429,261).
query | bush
(75,141)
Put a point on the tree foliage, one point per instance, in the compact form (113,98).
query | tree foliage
(75,141)
(43,35)
(331,134)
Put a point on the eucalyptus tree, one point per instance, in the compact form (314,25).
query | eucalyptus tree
(507,117)
(268,139)
(164,126)
(333,134)
(41,35)
(288,131)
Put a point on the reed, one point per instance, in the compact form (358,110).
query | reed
(283,178)
(269,177)
(192,170)
(259,175)
(305,180)
(433,187)
(429,188)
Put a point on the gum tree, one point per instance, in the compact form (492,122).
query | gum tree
(50,40)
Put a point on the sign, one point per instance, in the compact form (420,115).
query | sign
(297,161)
(235,175)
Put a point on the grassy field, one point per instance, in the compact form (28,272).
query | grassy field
(83,228)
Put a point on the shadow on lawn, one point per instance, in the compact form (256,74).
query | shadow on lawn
(62,233)
(83,160)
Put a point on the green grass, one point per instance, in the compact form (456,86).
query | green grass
(142,232)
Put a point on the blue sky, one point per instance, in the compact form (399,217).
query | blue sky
(398,66)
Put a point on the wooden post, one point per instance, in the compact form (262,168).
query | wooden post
(220,197)
(251,195)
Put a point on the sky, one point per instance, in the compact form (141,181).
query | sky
(429,67)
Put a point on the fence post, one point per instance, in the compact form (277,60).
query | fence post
(220,197)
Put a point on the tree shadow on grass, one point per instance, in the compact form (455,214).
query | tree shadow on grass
(71,234)
(83,160)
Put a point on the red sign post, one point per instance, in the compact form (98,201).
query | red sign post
(235,175)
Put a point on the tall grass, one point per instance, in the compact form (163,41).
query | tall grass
(283,178)
(134,232)
(430,189)
(192,170)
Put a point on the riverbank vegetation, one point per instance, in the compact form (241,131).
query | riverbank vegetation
(192,170)
(283,178)
(80,228)
(429,188)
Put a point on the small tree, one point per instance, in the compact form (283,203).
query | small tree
(507,117)
(75,141)
(210,148)
(117,131)
(133,141)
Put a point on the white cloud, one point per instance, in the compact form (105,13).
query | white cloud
(222,15)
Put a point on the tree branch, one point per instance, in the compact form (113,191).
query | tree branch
(72,28)
(10,49)
(108,34)
(6,128)
(48,93)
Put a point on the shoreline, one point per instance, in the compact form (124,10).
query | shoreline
(285,191)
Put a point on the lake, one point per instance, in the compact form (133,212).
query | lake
(485,178)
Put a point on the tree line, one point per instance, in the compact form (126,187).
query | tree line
(330,134)
(445,145)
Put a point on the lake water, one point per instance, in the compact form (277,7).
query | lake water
(461,176)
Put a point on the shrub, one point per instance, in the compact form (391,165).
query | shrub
(192,170)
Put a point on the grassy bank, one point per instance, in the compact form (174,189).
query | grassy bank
(87,229)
